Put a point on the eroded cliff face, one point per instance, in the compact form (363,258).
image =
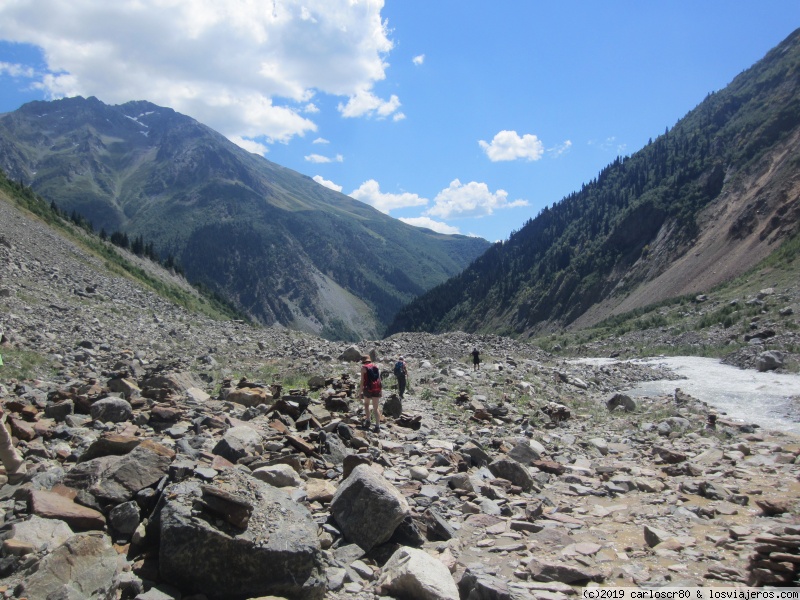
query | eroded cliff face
(752,215)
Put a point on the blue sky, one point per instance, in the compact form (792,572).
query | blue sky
(466,116)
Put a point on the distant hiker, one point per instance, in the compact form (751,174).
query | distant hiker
(476,359)
(401,372)
(371,388)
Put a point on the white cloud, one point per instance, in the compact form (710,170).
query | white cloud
(318,158)
(470,200)
(245,68)
(562,148)
(328,184)
(320,141)
(250,145)
(370,193)
(418,60)
(366,104)
(508,145)
(16,70)
(437,226)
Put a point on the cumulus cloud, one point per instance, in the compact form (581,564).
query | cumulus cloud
(470,200)
(328,184)
(319,158)
(509,145)
(366,104)
(427,222)
(418,60)
(370,193)
(320,140)
(248,69)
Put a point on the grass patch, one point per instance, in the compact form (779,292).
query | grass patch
(23,365)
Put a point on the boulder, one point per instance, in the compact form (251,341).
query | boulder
(173,382)
(276,553)
(654,536)
(565,573)
(239,442)
(121,385)
(127,475)
(368,508)
(514,472)
(249,396)
(351,354)
(770,360)
(124,518)
(474,584)
(524,453)
(621,400)
(412,573)
(41,533)
(85,566)
(393,406)
(280,475)
(50,505)
(112,410)
(476,453)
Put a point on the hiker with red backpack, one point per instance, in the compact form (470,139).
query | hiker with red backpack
(371,388)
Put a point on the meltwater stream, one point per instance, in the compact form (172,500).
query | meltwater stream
(770,400)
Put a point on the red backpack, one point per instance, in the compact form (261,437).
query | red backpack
(373,385)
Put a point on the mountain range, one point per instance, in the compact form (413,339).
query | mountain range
(277,245)
(697,206)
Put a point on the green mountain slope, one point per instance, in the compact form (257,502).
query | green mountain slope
(699,205)
(282,247)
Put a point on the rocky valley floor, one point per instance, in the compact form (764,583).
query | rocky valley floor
(168,455)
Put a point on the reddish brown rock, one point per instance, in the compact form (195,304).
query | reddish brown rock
(50,505)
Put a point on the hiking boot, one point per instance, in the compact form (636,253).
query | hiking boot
(365,424)
(377,428)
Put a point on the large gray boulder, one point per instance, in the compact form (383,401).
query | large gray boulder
(239,442)
(475,585)
(113,410)
(41,533)
(271,550)
(85,566)
(476,453)
(412,573)
(351,354)
(621,400)
(523,452)
(368,508)
(770,360)
(141,468)
(509,469)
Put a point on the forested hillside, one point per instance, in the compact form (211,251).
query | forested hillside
(730,167)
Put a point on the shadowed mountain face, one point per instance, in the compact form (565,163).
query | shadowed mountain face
(701,204)
(282,247)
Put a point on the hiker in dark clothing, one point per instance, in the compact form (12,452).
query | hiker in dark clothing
(401,372)
(476,359)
